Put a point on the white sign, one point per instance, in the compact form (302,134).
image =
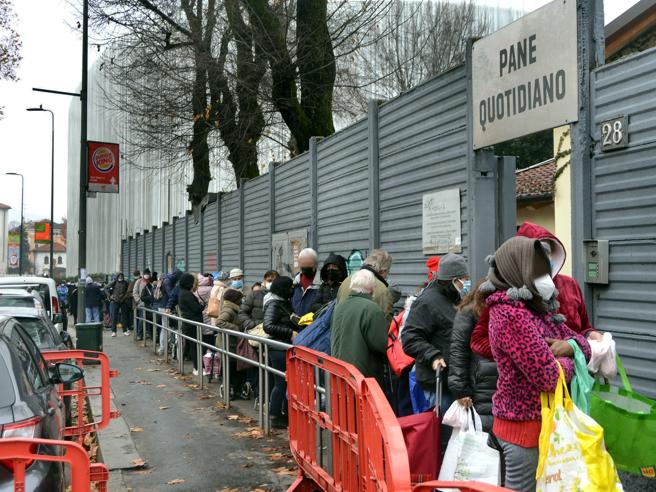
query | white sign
(441,228)
(524,76)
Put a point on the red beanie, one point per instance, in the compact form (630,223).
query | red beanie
(433,265)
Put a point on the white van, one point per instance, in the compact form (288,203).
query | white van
(47,289)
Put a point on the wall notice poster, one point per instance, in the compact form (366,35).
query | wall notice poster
(42,232)
(103,171)
(441,227)
(286,246)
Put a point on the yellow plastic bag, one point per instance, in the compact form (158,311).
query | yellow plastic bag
(306,319)
(573,457)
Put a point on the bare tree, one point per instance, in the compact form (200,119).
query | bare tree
(10,44)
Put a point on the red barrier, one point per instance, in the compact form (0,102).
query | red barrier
(323,429)
(21,453)
(368,449)
(81,392)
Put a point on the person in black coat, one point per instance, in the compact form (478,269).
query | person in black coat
(93,299)
(191,308)
(472,378)
(278,324)
(333,273)
(251,311)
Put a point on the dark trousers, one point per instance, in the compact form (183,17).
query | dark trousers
(278,400)
(120,313)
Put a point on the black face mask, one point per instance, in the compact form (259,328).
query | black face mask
(333,275)
(308,271)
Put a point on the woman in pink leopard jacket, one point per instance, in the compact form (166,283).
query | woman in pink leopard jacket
(528,341)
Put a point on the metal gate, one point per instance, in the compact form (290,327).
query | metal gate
(624,212)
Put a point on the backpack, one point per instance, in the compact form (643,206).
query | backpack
(317,335)
(398,360)
(158,291)
(146,295)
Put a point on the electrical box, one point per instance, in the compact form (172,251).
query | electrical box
(596,261)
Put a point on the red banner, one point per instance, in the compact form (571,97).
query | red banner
(42,232)
(103,170)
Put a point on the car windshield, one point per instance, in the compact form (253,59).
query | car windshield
(7,396)
(39,331)
(41,289)
(17,301)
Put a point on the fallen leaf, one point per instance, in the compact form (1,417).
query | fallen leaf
(160,386)
(138,462)
(205,397)
(163,408)
(136,429)
(229,490)
(153,370)
(233,417)
(277,456)
(220,406)
(176,481)
(283,470)
(192,386)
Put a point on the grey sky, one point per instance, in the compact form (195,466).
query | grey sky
(51,59)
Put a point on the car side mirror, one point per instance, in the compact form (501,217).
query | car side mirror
(58,318)
(66,373)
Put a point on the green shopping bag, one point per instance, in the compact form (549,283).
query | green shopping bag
(629,422)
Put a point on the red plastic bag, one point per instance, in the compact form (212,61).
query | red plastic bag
(421,433)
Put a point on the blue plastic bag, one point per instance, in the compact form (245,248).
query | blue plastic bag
(419,402)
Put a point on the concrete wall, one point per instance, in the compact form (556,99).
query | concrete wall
(563,193)
(539,213)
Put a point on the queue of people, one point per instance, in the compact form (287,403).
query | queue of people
(499,341)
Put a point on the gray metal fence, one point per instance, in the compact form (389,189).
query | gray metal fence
(358,189)
(624,213)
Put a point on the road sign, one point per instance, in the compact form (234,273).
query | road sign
(524,76)
(103,167)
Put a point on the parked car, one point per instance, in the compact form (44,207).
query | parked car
(30,406)
(47,289)
(27,298)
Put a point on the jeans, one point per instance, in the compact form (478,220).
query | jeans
(92,314)
(521,464)
(278,400)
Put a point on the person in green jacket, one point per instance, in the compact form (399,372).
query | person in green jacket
(358,332)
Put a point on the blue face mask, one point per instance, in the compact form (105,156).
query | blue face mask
(237,284)
(466,287)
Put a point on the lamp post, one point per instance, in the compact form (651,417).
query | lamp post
(20,239)
(52,186)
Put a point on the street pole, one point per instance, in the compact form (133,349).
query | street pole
(20,239)
(52,185)
(82,220)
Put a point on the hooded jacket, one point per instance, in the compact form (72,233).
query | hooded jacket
(328,292)
(572,305)
(119,290)
(251,311)
(169,290)
(191,307)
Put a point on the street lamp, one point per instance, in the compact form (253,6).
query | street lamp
(52,187)
(20,239)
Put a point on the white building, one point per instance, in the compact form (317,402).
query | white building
(41,257)
(4,237)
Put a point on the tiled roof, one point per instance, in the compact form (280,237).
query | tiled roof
(45,248)
(4,207)
(536,181)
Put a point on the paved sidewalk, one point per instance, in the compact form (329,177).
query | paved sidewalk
(187,440)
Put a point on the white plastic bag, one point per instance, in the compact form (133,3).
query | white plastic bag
(468,457)
(602,363)
(458,417)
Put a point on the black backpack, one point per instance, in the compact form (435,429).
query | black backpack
(147,295)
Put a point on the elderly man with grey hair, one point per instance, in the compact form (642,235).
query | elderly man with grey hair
(306,283)
(358,330)
(378,263)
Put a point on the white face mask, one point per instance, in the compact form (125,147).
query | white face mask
(545,287)
(267,285)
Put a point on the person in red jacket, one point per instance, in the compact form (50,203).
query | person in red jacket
(570,297)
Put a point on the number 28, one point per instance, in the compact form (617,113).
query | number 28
(612,133)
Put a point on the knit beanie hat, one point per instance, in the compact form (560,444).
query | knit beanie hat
(452,266)
(282,287)
(233,296)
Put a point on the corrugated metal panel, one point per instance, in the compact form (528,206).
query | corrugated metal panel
(423,148)
(624,212)
(343,184)
(292,181)
(230,231)
(195,261)
(133,255)
(140,252)
(158,259)
(125,256)
(210,237)
(148,246)
(168,241)
(180,240)
(257,236)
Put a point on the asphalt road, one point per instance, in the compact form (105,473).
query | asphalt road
(187,441)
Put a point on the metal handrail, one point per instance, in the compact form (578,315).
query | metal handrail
(262,363)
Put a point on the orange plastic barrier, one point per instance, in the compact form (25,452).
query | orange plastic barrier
(21,453)
(368,451)
(81,392)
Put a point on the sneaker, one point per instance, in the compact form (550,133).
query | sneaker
(206,373)
(195,372)
(246,391)
(126,333)
(113,334)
